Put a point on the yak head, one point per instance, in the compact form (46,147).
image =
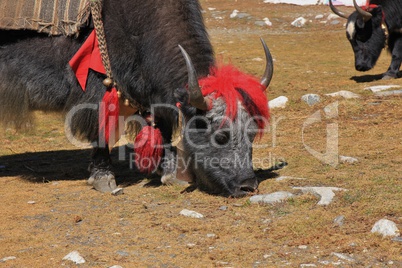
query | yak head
(365,32)
(223,114)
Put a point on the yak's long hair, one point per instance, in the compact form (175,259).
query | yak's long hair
(142,38)
(232,85)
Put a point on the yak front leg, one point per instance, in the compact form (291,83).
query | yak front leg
(102,178)
(395,46)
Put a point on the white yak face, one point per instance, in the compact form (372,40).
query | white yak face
(350,30)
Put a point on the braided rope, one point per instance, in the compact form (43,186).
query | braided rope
(96,9)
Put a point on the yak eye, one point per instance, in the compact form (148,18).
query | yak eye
(222,138)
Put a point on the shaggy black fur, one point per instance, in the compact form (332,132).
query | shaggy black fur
(142,37)
(369,38)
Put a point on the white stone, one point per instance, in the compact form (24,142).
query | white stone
(332,16)
(319,16)
(116,266)
(381,88)
(31,202)
(283,178)
(75,257)
(389,93)
(9,258)
(343,256)
(190,245)
(345,94)
(385,228)
(311,99)
(279,102)
(234,14)
(339,220)
(267,22)
(326,194)
(271,198)
(191,214)
(299,22)
(348,159)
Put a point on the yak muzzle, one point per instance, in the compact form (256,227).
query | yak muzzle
(361,67)
(247,187)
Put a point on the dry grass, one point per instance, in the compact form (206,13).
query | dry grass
(143,228)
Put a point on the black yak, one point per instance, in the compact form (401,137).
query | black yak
(371,28)
(161,58)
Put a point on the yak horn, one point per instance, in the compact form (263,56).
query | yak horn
(336,11)
(269,67)
(366,15)
(196,98)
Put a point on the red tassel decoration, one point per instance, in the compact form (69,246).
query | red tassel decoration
(108,115)
(148,149)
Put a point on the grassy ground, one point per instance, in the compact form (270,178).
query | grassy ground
(143,228)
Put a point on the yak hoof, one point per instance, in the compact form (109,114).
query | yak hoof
(388,77)
(170,179)
(103,181)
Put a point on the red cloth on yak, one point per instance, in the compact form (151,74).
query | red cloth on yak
(89,57)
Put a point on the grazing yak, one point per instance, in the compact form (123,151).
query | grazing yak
(159,67)
(371,28)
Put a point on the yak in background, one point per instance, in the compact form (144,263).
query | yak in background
(370,29)
(143,39)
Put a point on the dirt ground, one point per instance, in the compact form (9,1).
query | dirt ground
(143,227)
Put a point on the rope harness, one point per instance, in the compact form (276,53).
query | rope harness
(149,141)
(96,10)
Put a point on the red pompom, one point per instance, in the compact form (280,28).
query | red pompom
(227,82)
(148,149)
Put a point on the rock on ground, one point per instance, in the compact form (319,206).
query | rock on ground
(75,257)
(385,228)
(311,99)
(326,194)
(191,214)
(345,94)
(343,256)
(279,102)
(332,16)
(9,258)
(271,198)
(283,178)
(299,22)
(339,220)
(375,89)
(389,93)
(348,159)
